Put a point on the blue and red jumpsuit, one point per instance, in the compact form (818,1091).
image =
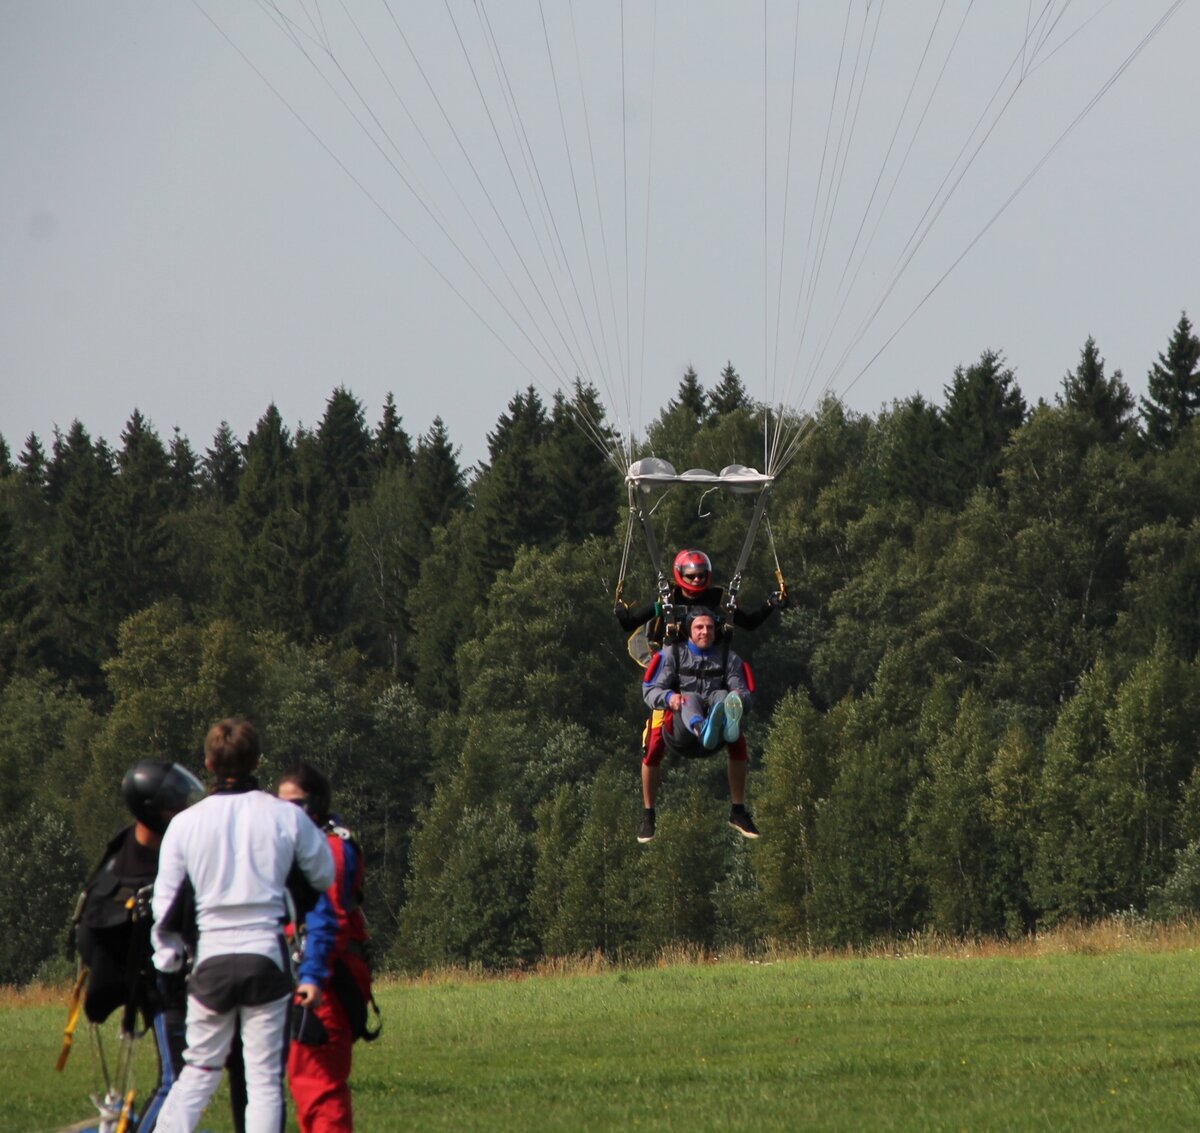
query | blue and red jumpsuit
(336,933)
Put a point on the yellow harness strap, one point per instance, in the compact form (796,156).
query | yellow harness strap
(126,1112)
(73,1013)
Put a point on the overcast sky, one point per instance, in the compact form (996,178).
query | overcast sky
(199,217)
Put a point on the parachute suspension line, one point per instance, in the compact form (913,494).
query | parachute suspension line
(382,209)
(587,123)
(426,199)
(842,288)
(796,438)
(1034,68)
(1162,21)
(646,227)
(933,211)
(294,32)
(808,290)
(772,369)
(625,215)
(625,549)
(533,173)
(832,201)
(606,362)
(818,184)
(1030,57)
(1028,17)
(596,433)
(827,204)
(936,206)
(576,358)
(574,354)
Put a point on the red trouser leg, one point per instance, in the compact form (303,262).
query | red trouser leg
(320,1075)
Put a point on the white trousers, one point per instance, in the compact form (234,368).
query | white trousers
(209,1035)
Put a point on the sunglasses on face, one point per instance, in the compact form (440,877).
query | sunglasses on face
(695,577)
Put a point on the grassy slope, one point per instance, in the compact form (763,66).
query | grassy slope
(1053,1042)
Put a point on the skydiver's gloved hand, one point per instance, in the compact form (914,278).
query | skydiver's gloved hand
(170,990)
(779,601)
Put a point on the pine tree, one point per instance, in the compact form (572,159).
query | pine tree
(984,407)
(261,578)
(32,462)
(438,486)
(728,395)
(1174,387)
(672,434)
(391,445)
(1107,401)
(345,447)
(583,487)
(184,471)
(512,503)
(221,469)
(76,599)
(140,502)
(907,444)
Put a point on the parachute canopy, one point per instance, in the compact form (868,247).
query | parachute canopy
(651,472)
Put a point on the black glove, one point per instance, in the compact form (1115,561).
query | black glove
(307,1027)
(779,601)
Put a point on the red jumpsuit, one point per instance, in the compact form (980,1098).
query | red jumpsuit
(336,934)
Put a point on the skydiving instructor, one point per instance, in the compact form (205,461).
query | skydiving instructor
(231,859)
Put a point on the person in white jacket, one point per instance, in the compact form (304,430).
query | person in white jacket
(227,869)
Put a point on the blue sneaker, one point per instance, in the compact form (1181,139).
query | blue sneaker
(733,717)
(713,735)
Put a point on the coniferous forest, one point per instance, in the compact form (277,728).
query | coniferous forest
(978,714)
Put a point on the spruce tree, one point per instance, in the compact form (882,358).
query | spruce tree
(1107,401)
(143,494)
(672,434)
(262,564)
(583,486)
(728,395)
(984,407)
(184,471)
(1174,388)
(438,485)
(391,445)
(221,468)
(77,601)
(32,462)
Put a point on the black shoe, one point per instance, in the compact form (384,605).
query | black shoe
(646,830)
(741,821)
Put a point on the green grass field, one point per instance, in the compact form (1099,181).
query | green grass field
(945,1042)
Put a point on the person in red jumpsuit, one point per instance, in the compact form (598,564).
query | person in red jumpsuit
(334,935)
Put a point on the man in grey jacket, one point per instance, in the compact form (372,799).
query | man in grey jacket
(698,692)
(230,862)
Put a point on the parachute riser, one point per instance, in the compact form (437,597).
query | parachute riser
(735,581)
(662,583)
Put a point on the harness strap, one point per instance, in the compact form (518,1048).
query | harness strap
(73,1013)
(736,581)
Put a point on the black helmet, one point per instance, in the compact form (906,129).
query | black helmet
(155,792)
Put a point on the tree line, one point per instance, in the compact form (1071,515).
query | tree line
(977,715)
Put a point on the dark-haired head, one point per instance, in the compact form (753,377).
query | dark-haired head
(315,793)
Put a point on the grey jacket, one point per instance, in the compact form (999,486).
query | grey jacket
(684,668)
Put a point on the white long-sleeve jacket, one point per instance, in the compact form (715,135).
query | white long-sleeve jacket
(235,849)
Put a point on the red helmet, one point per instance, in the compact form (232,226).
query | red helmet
(693,572)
